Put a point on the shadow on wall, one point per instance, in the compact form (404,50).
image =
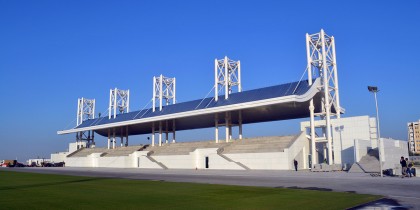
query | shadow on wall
(347,157)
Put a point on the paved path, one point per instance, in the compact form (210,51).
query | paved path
(406,191)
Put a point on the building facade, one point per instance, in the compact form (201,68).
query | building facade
(414,137)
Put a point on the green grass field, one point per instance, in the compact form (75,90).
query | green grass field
(44,191)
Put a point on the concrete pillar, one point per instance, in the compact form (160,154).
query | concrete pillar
(126,136)
(122,137)
(326,154)
(93,138)
(109,138)
(173,131)
(160,133)
(113,138)
(240,124)
(166,132)
(230,125)
(227,126)
(216,126)
(312,123)
(153,134)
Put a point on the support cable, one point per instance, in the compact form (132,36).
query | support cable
(143,109)
(204,98)
(300,80)
(68,125)
(100,119)
(212,99)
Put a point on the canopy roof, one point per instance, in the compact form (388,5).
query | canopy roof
(280,102)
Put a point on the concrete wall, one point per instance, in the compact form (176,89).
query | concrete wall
(176,161)
(299,151)
(393,150)
(267,161)
(197,159)
(361,148)
(140,160)
(59,157)
(113,162)
(73,146)
(218,162)
(345,131)
(79,162)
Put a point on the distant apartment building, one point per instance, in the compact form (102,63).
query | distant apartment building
(414,137)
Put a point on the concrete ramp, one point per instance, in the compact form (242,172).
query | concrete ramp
(367,164)
(219,152)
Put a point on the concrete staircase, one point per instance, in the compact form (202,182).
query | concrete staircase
(73,153)
(84,152)
(183,148)
(260,144)
(122,151)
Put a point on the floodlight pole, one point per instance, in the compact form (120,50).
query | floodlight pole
(374,91)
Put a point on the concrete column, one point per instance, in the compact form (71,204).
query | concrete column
(93,138)
(113,138)
(167,132)
(230,126)
(173,131)
(240,124)
(153,134)
(216,126)
(160,133)
(109,138)
(312,123)
(326,154)
(126,136)
(227,126)
(122,137)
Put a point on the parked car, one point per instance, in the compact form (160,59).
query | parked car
(48,165)
(60,164)
(20,165)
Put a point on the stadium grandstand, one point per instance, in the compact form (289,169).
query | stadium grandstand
(316,96)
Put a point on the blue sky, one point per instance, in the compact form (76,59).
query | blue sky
(53,52)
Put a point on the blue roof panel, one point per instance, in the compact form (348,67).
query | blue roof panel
(294,88)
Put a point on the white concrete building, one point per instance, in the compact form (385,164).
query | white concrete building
(268,153)
(344,132)
(61,156)
(353,137)
(38,161)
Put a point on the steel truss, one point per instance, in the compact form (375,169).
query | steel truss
(85,111)
(118,99)
(322,63)
(163,89)
(227,74)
